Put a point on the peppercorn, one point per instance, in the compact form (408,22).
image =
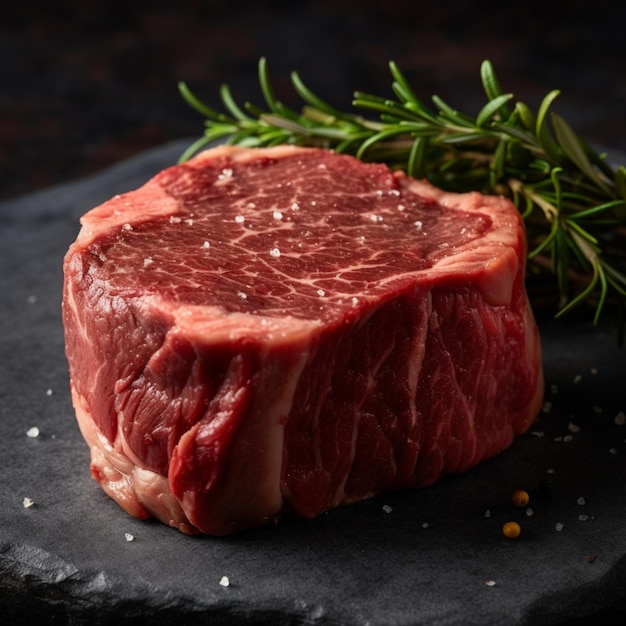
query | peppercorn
(520,498)
(511,530)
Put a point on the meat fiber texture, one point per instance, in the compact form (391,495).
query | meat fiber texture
(262,333)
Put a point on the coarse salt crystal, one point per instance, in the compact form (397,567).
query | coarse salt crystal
(32,432)
(277,215)
(206,245)
(295,206)
(490,583)
(620,419)
(129,537)
(387,508)
(127,226)
(583,518)
(175,220)
(529,512)
(577,378)
(321,293)
(28,502)
(425,524)
(559,526)
(49,392)
(275,252)
(242,295)
(418,225)
(613,450)
(580,501)
(573,428)
(488,513)
(240,219)
(224,582)
(547,407)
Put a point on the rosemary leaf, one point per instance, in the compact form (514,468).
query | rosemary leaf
(231,106)
(572,147)
(541,130)
(491,108)
(492,87)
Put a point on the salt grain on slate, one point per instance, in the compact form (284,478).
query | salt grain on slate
(224,582)
(32,432)
(28,502)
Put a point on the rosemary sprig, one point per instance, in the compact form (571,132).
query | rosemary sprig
(573,201)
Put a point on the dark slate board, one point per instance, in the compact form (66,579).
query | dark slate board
(66,559)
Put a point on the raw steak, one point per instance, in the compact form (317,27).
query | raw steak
(262,333)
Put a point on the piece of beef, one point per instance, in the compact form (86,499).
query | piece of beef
(260,333)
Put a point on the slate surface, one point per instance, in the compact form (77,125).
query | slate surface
(429,560)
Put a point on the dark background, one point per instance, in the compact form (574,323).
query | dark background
(86,84)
